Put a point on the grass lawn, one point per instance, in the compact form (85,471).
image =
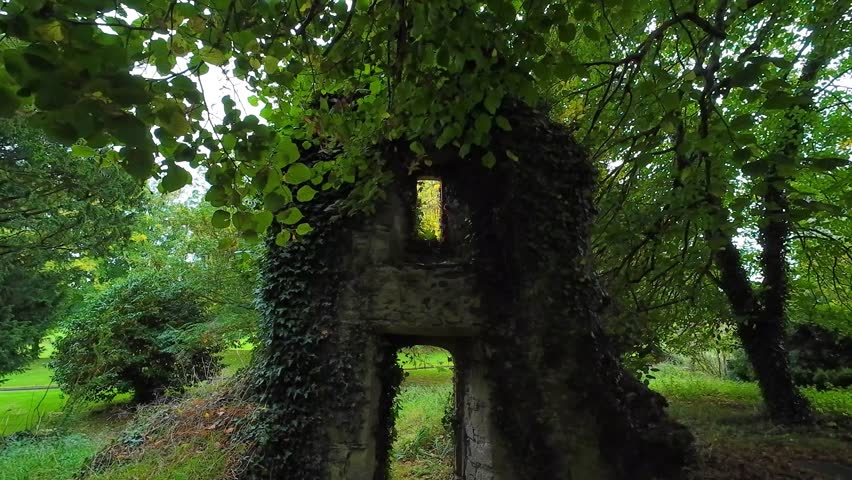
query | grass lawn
(25,410)
(29,409)
(38,374)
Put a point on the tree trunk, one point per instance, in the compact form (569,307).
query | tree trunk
(763,341)
(762,333)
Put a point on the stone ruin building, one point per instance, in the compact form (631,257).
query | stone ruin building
(508,289)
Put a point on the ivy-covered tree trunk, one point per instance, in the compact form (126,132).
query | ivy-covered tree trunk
(763,340)
(762,330)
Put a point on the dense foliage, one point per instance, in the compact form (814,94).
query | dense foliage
(56,213)
(141,335)
(175,239)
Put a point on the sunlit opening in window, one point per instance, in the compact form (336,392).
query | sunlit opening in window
(429,202)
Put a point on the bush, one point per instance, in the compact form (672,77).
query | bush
(820,357)
(143,335)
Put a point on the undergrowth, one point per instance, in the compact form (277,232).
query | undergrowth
(197,437)
(424,444)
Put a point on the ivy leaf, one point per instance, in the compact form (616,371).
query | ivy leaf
(221,219)
(305,194)
(298,173)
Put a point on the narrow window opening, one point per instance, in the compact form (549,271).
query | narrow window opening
(425,415)
(429,209)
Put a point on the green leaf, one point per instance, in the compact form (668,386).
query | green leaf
(221,219)
(756,168)
(512,156)
(262,221)
(130,130)
(9,102)
(83,151)
(139,163)
(304,229)
(591,33)
(298,173)
(493,100)
(742,122)
(274,201)
(742,155)
(176,178)
(503,123)
(305,194)
(242,221)
(482,124)
(291,216)
(567,31)
(417,148)
(286,152)
(212,55)
(826,164)
(282,238)
(229,141)
(489,160)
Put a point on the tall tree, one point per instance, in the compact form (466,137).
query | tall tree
(56,211)
(705,121)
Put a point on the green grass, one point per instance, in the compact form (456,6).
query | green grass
(38,374)
(53,458)
(196,460)
(678,384)
(33,409)
(234,359)
(26,410)
(423,449)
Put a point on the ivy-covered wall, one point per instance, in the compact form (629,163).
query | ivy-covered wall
(511,291)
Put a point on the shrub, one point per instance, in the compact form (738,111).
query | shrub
(820,357)
(143,335)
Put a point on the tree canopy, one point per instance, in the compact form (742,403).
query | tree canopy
(57,212)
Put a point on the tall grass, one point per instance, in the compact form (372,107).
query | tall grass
(678,384)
